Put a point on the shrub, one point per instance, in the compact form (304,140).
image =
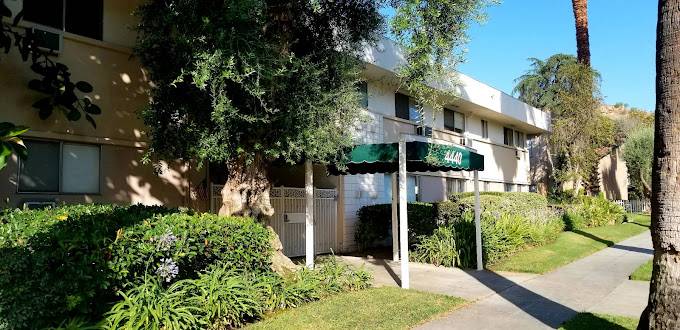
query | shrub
(375,221)
(439,248)
(225,298)
(592,212)
(69,262)
(190,243)
(510,222)
(151,306)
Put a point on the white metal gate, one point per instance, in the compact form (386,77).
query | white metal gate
(288,219)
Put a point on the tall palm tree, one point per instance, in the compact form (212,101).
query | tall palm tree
(582,39)
(663,310)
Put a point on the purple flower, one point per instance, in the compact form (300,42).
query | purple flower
(166,241)
(167,269)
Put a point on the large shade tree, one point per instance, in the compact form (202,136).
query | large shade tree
(248,83)
(663,310)
(570,91)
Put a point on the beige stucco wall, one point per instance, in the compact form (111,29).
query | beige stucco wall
(120,89)
(613,174)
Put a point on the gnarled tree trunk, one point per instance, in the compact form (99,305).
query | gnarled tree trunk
(580,8)
(246,192)
(663,309)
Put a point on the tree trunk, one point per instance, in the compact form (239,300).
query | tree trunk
(246,192)
(646,189)
(663,309)
(582,39)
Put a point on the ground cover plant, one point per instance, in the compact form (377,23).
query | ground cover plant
(376,308)
(512,223)
(572,245)
(114,267)
(587,321)
(643,273)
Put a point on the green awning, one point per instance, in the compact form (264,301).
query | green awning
(420,157)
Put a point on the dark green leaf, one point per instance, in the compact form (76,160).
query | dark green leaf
(73,115)
(39,69)
(93,109)
(43,103)
(84,87)
(36,85)
(91,120)
(45,112)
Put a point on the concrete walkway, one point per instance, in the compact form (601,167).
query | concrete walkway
(597,283)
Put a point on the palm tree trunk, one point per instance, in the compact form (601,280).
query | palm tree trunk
(663,309)
(582,39)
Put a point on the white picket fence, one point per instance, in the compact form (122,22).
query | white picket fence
(289,202)
(635,206)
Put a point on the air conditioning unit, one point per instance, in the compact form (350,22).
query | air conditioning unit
(425,131)
(47,38)
(36,205)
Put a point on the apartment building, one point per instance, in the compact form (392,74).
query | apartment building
(75,163)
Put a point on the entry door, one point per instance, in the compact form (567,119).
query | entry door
(289,219)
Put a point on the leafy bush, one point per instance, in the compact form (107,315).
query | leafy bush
(439,248)
(375,222)
(225,298)
(69,262)
(454,243)
(592,212)
(189,243)
(510,222)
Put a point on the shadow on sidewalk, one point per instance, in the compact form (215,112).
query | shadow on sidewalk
(614,245)
(547,311)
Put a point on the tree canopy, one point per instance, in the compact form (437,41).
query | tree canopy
(580,132)
(638,152)
(251,82)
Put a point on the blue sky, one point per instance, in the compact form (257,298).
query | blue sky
(622,44)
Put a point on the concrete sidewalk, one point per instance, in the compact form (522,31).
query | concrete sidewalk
(597,283)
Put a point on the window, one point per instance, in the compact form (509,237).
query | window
(509,187)
(412,186)
(485,129)
(362,87)
(454,121)
(487,186)
(59,167)
(520,141)
(508,136)
(82,17)
(455,186)
(406,107)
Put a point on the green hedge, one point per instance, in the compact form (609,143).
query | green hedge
(146,267)
(592,211)
(70,261)
(375,221)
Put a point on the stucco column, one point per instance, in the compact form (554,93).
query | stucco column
(309,214)
(395,225)
(403,216)
(478,225)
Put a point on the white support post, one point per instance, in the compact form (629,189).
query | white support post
(309,214)
(395,225)
(403,216)
(478,225)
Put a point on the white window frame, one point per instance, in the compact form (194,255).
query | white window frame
(60,171)
(453,128)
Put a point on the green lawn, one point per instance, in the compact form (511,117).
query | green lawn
(571,246)
(377,308)
(643,273)
(587,321)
